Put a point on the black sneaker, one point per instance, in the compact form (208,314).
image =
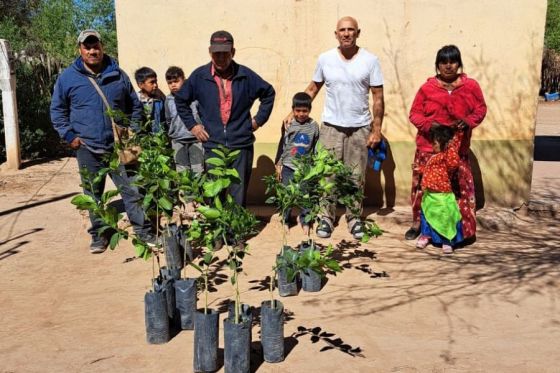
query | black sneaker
(324,229)
(98,245)
(357,230)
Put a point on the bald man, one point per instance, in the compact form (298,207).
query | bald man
(349,73)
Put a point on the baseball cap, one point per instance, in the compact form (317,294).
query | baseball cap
(221,41)
(86,34)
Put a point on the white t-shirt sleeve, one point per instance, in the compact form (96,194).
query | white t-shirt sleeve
(318,76)
(376,76)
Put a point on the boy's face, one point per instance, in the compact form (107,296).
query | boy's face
(149,86)
(175,84)
(436,146)
(301,114)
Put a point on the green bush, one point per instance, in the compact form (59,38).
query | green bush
(38,139)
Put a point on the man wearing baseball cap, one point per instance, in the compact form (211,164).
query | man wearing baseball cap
(79,116)
(225,92)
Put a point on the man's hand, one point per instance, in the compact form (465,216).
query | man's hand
(76,143)
(278,172)
(254,125)
(374,138)
(288,120)
(200,133)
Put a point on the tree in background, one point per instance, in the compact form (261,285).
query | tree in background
(552,28)
(43,33)
(550,69)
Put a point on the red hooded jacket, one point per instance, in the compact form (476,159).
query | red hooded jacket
(433,103)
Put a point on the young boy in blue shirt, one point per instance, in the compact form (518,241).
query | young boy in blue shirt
(151,97)
(299,139)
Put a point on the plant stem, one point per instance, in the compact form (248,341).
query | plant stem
(153,270)
(206,291)
(284,234)
(272,279)
(237,299)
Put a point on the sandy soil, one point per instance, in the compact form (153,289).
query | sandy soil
(491,307)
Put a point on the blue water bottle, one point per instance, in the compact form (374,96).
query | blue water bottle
(377,155)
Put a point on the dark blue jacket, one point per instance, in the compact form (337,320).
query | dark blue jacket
(246,87)
(77,110)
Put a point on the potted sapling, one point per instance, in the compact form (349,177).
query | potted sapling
(189,187)
(220,222)
(235,224)
(156,310)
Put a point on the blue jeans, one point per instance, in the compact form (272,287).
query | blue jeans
(132,199)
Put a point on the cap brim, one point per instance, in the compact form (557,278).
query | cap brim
(221,48)
(90,38)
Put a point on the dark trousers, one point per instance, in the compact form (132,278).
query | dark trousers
(287,176)
(244,165)
(132,199)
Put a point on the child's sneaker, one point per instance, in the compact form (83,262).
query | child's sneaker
(447,249)
(422,242)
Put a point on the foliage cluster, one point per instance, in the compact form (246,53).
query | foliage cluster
(552,28)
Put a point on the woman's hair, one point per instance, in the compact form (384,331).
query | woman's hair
(449,53)
(442,134)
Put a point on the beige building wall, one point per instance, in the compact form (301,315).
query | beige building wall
(501,42)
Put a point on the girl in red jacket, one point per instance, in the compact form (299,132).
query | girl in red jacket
(450,98)
(440,219)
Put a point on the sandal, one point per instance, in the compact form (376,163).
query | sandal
(412,233)
(324,229)
(357,230)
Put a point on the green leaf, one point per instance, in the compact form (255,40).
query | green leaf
(163,184)
(84,202)
(232,172)
(216,172)
(209,212)
(218,203)
(165,203)
(208,257)
(219,153)
(195,266)
(232,155)
(115,238)
(108,195)
(212,188)
(216,162)
(142,250)
(147,200)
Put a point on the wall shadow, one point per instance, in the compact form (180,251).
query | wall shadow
(478,182)
(39,203)
(256,192)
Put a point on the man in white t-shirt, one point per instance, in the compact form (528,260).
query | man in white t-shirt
(349,74)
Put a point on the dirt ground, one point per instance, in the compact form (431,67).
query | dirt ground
(490,307)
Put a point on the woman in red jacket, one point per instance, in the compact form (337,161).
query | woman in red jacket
(450,98)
